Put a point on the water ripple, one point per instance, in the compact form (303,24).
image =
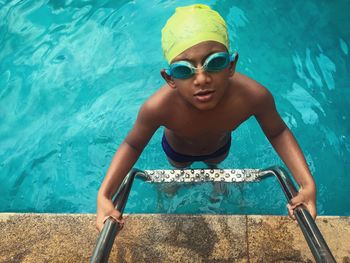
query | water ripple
(311,68)
(4,83)
(237,17)
(327,67)
(300,69)
(343,46)
(74,73)
(304,103)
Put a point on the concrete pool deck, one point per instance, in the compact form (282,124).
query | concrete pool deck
(168,238)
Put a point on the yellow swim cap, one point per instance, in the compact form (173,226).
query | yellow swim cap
(190,25)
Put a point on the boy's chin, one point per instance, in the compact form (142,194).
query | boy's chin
(205,106)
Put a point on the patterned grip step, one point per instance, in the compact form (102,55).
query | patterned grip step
(202,175)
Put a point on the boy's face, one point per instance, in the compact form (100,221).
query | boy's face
(204,90)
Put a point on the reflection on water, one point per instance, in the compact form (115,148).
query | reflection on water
(304,103)
(325,67)
(74,73)
(328,69)
(344,46)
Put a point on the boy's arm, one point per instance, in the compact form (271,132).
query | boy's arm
(285,144)
(123,160)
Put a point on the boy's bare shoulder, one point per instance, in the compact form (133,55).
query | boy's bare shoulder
(157,106)
(250,87)
(252,91)
(159,100)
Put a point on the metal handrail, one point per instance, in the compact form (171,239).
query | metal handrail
(312,234)
(111,226)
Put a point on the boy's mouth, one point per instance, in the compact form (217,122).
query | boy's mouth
(204,95)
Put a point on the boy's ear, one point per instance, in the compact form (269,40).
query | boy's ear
(233,65)
(168,79)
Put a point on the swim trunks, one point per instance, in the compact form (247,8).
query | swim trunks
(183,158)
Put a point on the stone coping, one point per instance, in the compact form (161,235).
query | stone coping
(168,238)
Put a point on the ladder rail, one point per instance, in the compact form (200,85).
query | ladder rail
(307,224)
(111,226)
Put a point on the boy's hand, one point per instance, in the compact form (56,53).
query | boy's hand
(307,198)
(104,211)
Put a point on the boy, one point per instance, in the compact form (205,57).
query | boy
(202,102)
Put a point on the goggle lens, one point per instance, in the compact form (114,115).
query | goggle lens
(181,71)
(217,63)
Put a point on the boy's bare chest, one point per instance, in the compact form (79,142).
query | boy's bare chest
(210,124)
(187,122)
(200,135)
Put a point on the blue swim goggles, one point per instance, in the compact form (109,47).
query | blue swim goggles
(215,62)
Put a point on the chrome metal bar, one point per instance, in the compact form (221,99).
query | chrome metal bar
(312,234)
(111,226)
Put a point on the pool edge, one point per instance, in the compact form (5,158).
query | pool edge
(32,237)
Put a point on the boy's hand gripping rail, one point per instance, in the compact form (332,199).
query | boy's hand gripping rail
(111,226)
(308,226)
(312,234)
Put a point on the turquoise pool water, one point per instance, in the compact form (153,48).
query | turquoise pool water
(73,75)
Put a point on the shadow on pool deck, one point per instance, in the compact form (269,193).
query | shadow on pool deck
(168,238)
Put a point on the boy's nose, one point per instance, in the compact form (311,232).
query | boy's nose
(201,77)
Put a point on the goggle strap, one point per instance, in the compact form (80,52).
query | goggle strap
(233,56)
